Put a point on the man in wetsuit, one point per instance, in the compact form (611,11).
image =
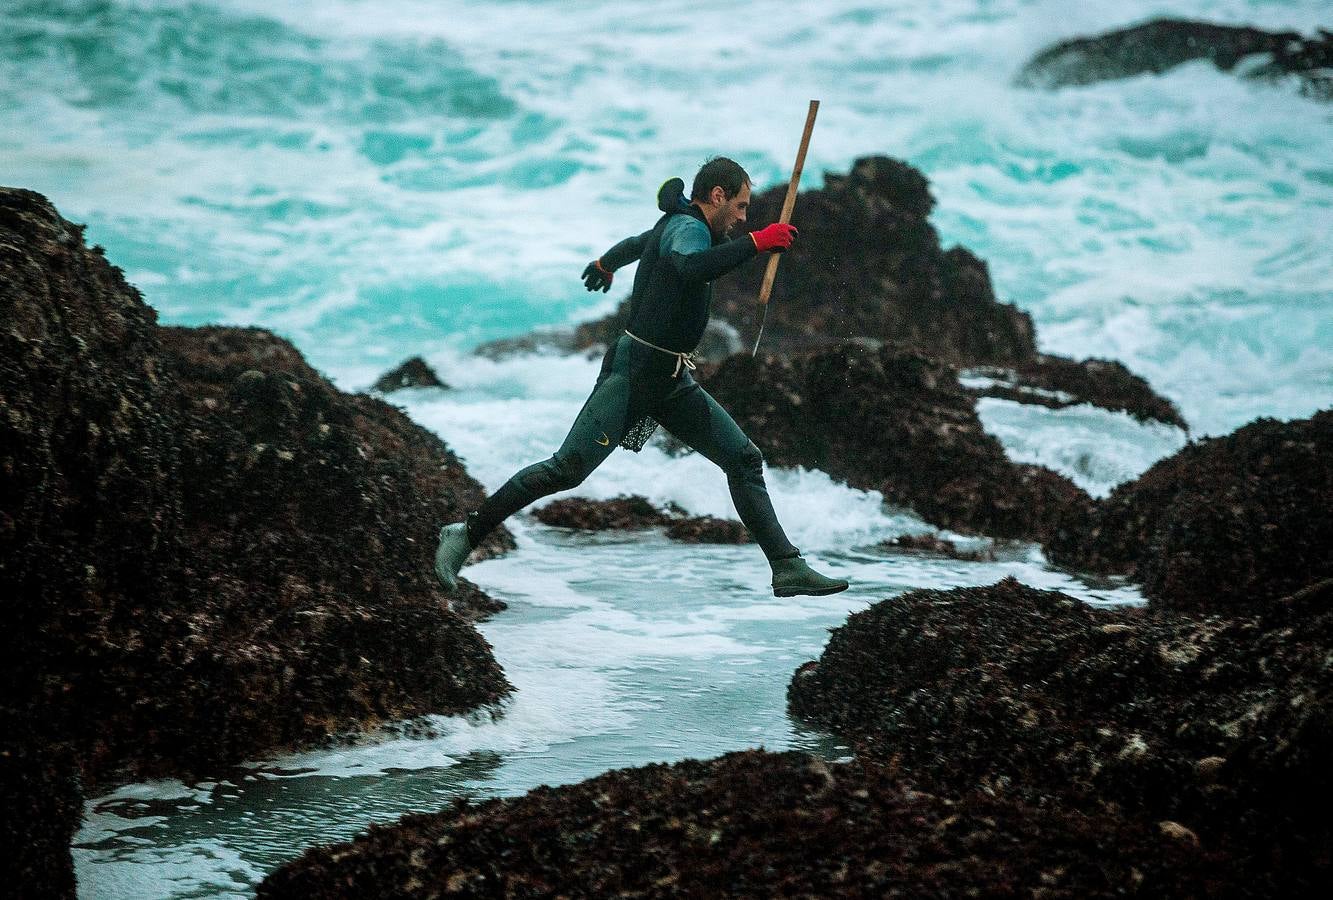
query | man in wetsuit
(646,377)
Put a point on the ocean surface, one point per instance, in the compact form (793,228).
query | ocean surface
(376,180)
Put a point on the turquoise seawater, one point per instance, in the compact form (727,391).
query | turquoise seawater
(375,180)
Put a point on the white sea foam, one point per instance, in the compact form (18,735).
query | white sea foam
(1095,448)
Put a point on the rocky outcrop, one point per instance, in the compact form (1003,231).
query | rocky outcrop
(207,552)
(628,512)
(707,530)
(636,512)
(414,372)
(749,824)
(895,422)
(1216,724)
(1163,44)
(935,545)
(41,808)
(1057,383)
(1227,522)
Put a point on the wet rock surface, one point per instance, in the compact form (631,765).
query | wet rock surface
(636,512)
(932,544)
(207,552)
(1215,724)
(414,372)
(1226,522)
(1056,382)
(629,512)
(707,530)
(1163,44)
(895,422)
(748,824)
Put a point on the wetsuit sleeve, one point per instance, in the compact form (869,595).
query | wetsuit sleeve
(688,246)
(625,252)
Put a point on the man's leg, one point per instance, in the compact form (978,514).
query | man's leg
(693,416)
(596,431)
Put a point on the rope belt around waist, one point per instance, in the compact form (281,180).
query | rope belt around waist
(682,359)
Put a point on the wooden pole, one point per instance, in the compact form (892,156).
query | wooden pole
(771,272)
(787,205)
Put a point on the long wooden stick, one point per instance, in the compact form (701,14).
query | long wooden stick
(787,205)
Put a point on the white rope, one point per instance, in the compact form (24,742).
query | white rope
(685,359)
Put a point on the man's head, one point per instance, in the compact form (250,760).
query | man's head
(722,191)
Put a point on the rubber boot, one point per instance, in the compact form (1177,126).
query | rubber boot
(792,576)
(454,548)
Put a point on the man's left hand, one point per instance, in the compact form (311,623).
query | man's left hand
(596,278)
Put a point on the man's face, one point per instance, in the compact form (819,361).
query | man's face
(727,214)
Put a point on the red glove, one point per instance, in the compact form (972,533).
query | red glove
(776,237)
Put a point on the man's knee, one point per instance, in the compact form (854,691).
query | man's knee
(747,462)
(559,473)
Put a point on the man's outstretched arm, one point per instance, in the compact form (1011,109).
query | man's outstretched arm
(599,272)
(690,248)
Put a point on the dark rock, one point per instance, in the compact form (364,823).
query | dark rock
(42,805)
(708,530)
(636,512)
(207,552)
(1226,522)
(1163,44)
(412,373)
(1056,382)
(895,422)
(472,604)
(929,543)
(1217,724)
(749,824)
(632,512)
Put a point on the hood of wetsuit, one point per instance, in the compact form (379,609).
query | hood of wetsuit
(671,196)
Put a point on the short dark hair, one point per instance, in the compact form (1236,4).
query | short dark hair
(719,172)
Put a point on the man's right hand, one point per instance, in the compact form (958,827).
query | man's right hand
(776,237)
(596,278)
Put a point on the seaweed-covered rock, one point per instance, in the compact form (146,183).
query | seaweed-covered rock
(1219,724)
(707,530)
(930,543)
(895,422)
(414,372)
(1162,44)
(749,824)
(42,806)
(1056,382)
(473,604)
(1226,522)
(207,552)
(635,512)
(627,512)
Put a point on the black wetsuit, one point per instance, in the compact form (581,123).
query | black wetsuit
(669,307)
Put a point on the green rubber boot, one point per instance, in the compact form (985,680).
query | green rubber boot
(792,576)
(454,548)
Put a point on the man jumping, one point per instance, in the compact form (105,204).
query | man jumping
(646,377)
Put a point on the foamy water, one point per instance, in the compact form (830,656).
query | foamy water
(380,180)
